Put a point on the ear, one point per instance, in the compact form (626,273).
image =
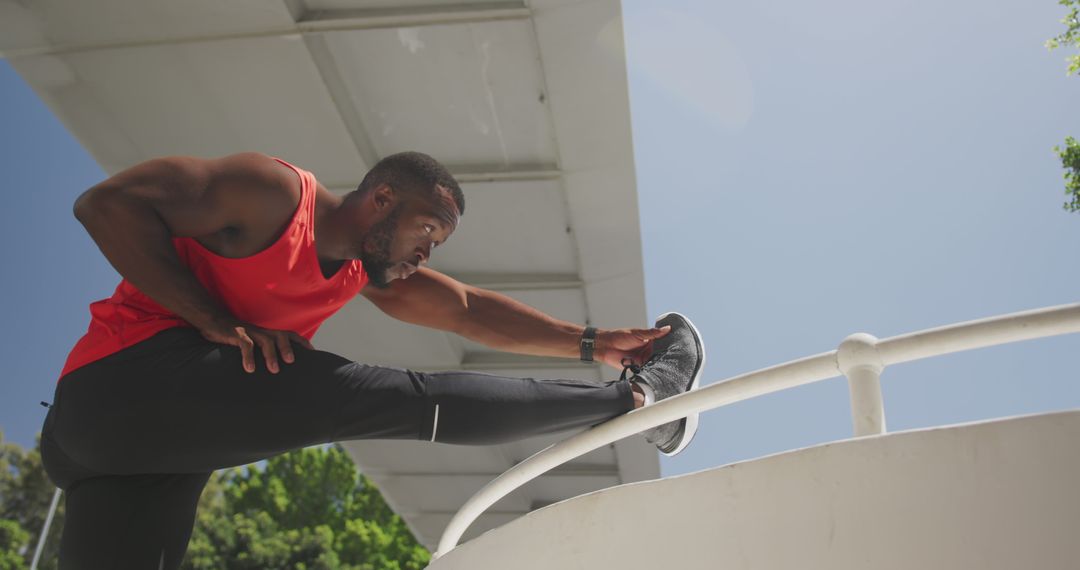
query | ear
(383,197)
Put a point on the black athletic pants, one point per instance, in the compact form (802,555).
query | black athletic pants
(133,438)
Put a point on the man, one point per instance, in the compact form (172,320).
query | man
(202,359)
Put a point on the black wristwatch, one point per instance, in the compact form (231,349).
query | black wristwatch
(588,343)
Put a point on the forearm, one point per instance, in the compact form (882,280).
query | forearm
(139,246)
(432,299)
(498,321)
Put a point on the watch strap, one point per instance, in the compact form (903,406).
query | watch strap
(588,344)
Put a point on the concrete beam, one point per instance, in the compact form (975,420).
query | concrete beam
(463,174)
(312,22)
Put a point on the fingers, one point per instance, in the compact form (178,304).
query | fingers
(247,349)
(650,334)
(269,351)
(284,347)
(272,343)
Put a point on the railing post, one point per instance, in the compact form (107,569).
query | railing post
(858,359)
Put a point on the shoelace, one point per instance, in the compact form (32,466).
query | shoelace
(628,366)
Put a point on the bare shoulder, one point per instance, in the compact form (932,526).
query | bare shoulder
(257,196)
(260,190)
(256,175)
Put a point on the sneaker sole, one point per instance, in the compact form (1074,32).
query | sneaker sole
(690,423)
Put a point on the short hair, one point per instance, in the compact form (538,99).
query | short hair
(413,172)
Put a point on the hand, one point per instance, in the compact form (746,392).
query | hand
(247,336)
(612,346)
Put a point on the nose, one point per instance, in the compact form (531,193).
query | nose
(425,252)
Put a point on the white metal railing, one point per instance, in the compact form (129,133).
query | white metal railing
(861,357)
(45,530)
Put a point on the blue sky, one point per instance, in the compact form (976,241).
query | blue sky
(806,170)
(52,270)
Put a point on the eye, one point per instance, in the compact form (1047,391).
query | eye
(428,228)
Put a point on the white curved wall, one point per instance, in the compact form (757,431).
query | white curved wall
(1002,494)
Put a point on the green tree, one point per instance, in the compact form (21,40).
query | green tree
(1070,159)
(14,542)
(255,541)
(1070,153)
(1071,35)
(306,509)
(25,496)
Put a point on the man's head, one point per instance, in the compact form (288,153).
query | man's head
(407,205)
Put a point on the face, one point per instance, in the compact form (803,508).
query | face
(396,246)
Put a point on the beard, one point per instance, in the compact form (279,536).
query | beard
(375,251)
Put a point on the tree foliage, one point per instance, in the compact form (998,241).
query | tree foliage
(1070,153)
(1070,159)
(1071,35)
(14,542)
(305,510)
(308,509)
(25,496)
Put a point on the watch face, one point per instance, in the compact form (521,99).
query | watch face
(587,349)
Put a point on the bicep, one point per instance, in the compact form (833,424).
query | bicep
(427,298)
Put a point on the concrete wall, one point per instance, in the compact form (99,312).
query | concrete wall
(1003,494)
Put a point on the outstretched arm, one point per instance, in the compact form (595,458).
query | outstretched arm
(432,299)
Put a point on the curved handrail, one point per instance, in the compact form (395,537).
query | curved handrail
(1013,327)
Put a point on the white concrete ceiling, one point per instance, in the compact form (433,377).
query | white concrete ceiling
(525,101)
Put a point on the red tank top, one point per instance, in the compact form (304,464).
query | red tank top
(281,287)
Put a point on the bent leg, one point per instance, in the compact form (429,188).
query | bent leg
(129,522)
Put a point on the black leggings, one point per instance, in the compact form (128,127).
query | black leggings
(133,438)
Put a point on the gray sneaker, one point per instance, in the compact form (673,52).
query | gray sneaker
(674,367)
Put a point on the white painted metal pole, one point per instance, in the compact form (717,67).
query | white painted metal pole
(867,406)
(858,358)
(1014,327)
(45,530)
